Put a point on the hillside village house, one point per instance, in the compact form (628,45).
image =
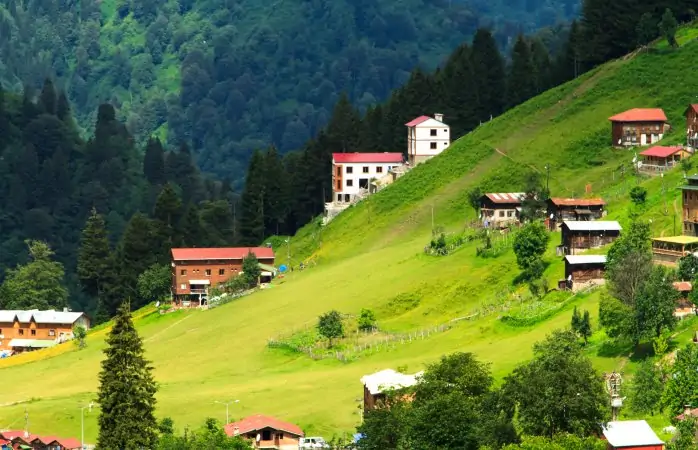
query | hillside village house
(30,330)
(500,210)
(689,199)
(582,270)
(266,432)
(426,138)
(561,209)
(638,127)
(691,114)
(12,440)
(377,384)
(582,235)
(659,158)
(352,173)
(684,307)
(195,270)
(631,435)
(668,250)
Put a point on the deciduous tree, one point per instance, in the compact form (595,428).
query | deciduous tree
(668,27)
(682,384)
(330,326)
(530,245)
(646,388)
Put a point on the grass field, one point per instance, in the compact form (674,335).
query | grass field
(372,256)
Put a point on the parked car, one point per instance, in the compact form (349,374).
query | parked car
(312,442)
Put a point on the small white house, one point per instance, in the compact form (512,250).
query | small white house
(352,172)
(426,138)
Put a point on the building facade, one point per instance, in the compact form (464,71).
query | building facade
(689,200)
(668,250)
(658,159)
(691,114)
(575,209)
(196,270)
(30,330)
(580,270)
(638,127)
(352,173)
(500,210)
(582,235)
(265,432)
(426,138)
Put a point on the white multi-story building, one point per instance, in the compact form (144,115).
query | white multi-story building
(352,172)
(426,138)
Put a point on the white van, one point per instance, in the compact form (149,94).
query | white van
(312,442)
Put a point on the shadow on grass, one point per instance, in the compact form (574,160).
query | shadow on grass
(525,277)
(614,349)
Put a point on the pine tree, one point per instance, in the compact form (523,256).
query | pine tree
(668,27)
(190,227)
(646,29)
(252,202)
(343,124)
(541,66)
(576,320)
(458,78)
(585,327)
(47,98)
(154,161)
(167,214)
(94,254)
(489,84)
(521,84)
(275,193)
(63,108)
(569,62)
(127,390)
(137,251)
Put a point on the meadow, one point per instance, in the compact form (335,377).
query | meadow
(372,256)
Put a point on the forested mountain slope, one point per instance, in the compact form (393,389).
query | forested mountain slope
(230,77)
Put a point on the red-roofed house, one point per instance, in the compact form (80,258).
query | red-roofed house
(18,439)
(691,114)
(500,210)
(266,432)
(660,158)
(426,138)
(352,173)
(684,307)
(561,209)
(638,127)
(195,270)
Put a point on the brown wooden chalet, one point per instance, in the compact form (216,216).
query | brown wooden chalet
(582,235)
(689,198)
(576,209)
(583,269)
(638,127)
(691,114)
(500,210)
(668,250)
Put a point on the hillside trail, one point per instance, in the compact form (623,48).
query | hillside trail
(167,328)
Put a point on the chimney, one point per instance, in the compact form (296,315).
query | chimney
(439,117)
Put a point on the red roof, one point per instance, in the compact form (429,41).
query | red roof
(258,422)
(515,197)
(417,121)
(683,286)
(640,115)
(660,151)
(693,106)
(688,413)
(9,435)
(198,254)
(347,158)
(46,440)
(557,201)
(69,443)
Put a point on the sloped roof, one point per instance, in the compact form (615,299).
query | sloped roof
(592,225)
(258,422)
(586,259)
(389,379)
(69,443)
(683,286)
(558,201)
(47,317)
(693,106)
(420,120)
(640,115)
(31,343)
(356,157)
(660,151)
(198,254)
(11,434)
(511,197)
(628,433)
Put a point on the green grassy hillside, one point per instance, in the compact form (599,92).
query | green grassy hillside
(372,256)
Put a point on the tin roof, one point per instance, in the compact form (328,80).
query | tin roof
(628,433)
(557,201)
(660,151)
(356,157)
(512,197)
(389,379)
(677,239)
(48,317)
(592,225)
(586,259)
(199,254)
(258,422)
(640,115)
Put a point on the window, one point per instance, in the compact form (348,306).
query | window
(339,197)
(182,286)
(208,272)
(33,332)
(365,169)
(221,271)
(510,213)
(379,169)
(501,213)
(21,332)
(279,436)
(432,145)
(266,435)
(433,132)
(347,198)
(350,170)
(445,143)
(339,171)
(0,331)
(51,332)
(350,183)
(183,272)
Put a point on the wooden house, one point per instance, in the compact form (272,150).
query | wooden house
(500,210)
(668,250)
(22,331)
(575,209)
(265,432)
(659,158)
(684,307)
(582,235)
(631,435)
(638,127)
(689,199)
(581,270)
(378,384)
(691,114)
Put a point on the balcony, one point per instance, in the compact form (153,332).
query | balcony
(197,291)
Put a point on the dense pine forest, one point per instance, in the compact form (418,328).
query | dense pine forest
(232,76)
(475,83)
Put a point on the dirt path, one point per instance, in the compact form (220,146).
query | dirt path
(167,328)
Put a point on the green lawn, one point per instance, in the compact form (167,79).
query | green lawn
(372,256)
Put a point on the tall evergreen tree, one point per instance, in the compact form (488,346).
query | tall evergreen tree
(48,97)
(542,67)
(63,108)
(167,214)
(127,390)
(252,202)
(458,79)
(489,84)
(137,251)
(154,161)
(521,83)
(609,29)
(276,195)
(342,127)
(94,254)
(190,227)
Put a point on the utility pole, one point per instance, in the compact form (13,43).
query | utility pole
(288,251)
(432,218)
(547,181)
(227,416)
(82,423)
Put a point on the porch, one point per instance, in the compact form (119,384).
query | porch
(667,251)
